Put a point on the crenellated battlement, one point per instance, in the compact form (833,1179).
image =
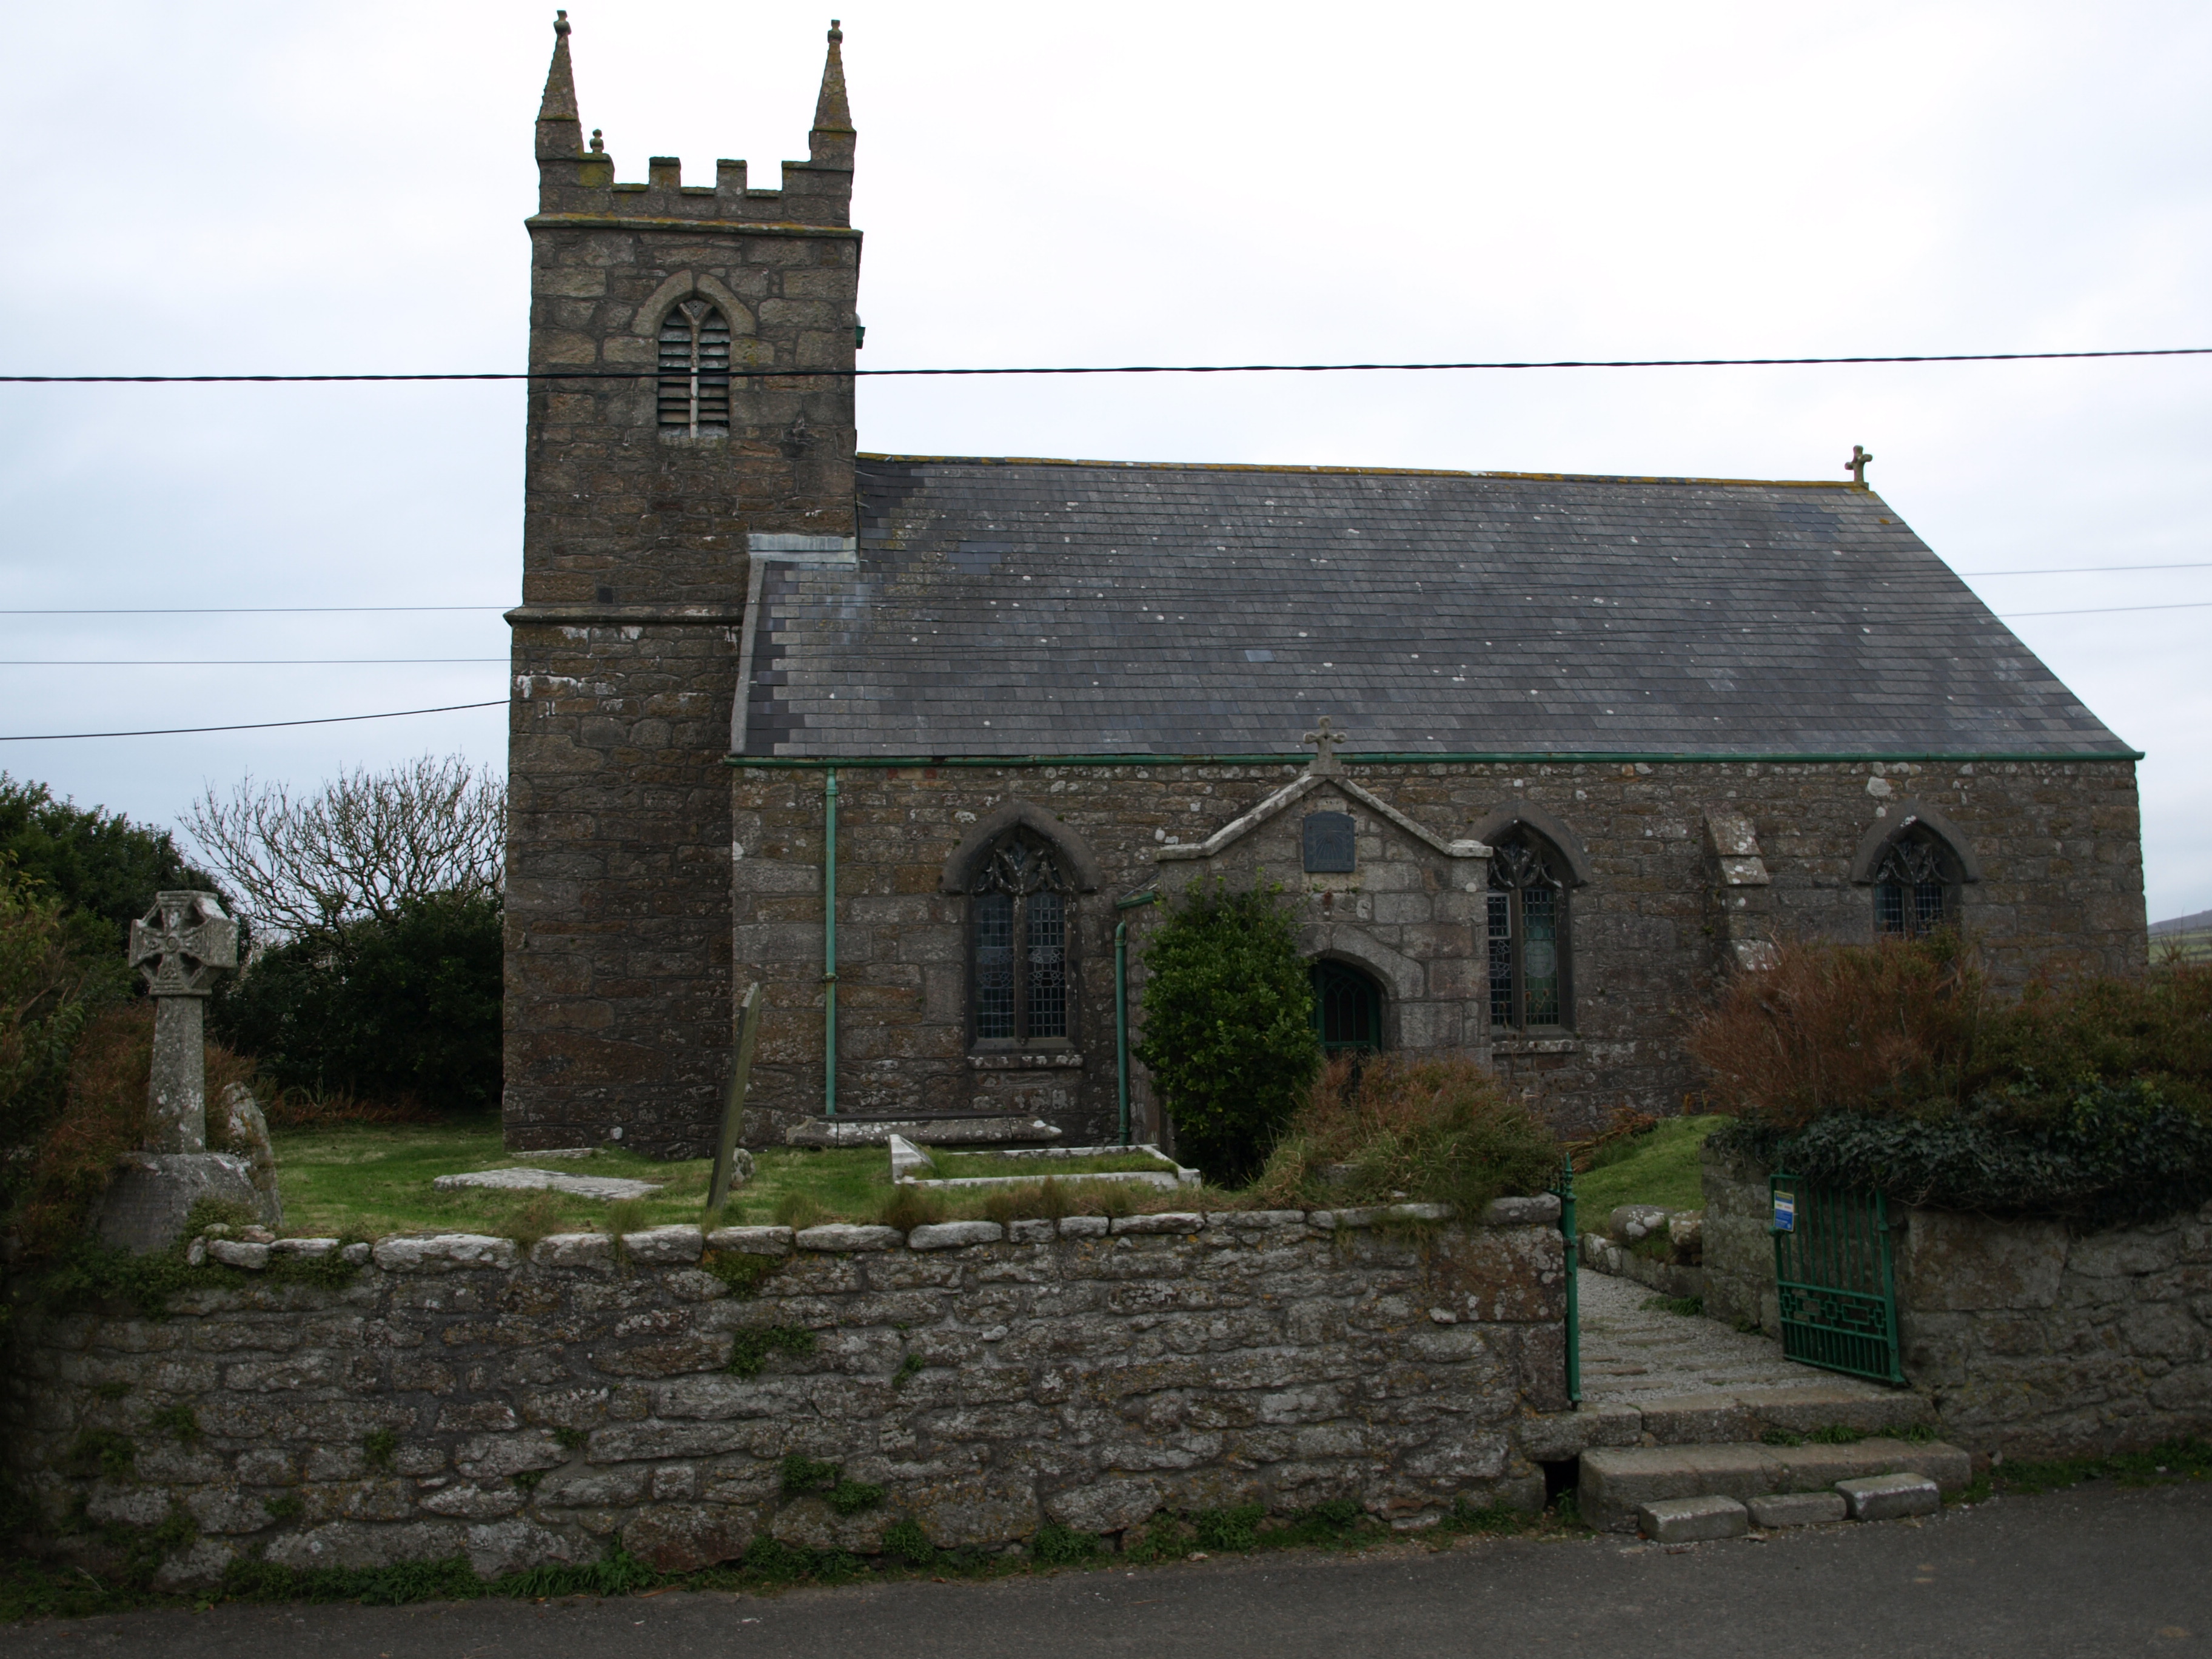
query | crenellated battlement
(576,181)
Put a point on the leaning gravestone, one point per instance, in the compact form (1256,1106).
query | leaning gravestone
(180,946)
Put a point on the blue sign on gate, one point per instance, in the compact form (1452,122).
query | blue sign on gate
(1786,1212)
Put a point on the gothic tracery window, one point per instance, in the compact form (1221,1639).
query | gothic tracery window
(1021,919)
(695,369)
(1528,918)
(1916,889)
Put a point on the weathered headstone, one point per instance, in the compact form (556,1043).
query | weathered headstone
(180,945)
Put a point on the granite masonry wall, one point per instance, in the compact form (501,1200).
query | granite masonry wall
(2027,1337)
(1672,901)
(635,565)
(546,1406)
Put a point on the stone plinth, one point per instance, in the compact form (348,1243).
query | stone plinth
(144,1207)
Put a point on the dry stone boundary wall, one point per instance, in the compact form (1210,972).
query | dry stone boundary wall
(2028,1338)
(462,1396)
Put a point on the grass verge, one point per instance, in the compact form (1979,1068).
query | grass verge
(1659,1166)
(31,1591)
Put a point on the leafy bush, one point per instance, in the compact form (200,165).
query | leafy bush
(1887,1028)
(46,996)
(1235,1527)
(103,1116)
(854,1496)
(98,867)
(400,1008)
(1229,1036)
(1896,1068)
(801,1475)
(905,1540)
(1056,1546)
(750,1346)
(2121,1155)
(1439,1131)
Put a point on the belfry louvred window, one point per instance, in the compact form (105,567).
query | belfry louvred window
(695,369)
(1020,916)
(1527,917)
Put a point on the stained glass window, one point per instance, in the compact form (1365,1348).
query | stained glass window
(1019,917)
(1915,890)
(1526,934)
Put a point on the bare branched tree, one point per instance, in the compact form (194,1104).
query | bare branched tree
(362,845)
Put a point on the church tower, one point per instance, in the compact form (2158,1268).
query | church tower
(679,416)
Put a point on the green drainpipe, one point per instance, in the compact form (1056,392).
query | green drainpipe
(1121,999)
(830,946)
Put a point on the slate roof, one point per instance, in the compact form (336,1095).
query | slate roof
(1019,607)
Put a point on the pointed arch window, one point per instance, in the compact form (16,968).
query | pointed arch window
(1529,983)
(695,369)
(1021,917)
(1916,886)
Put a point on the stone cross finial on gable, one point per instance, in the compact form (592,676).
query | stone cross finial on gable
(1856,465)
(1324,741)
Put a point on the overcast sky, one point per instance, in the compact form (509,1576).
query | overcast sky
(298,187)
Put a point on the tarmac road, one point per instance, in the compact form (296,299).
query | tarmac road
(2094,1572)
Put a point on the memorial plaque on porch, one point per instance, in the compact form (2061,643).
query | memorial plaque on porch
(1329,843)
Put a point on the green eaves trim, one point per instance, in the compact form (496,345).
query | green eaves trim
(811,763)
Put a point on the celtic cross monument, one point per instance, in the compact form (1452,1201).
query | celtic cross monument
(182,944)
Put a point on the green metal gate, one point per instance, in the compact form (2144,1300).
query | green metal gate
(1566,1191)
(1835,1278)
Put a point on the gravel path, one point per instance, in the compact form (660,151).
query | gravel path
(1631,1354)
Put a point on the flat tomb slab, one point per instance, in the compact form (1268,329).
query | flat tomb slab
(524,1179)
(927,1131)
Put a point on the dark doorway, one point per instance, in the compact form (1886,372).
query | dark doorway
(1347,1008)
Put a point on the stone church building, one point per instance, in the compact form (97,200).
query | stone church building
(1538,760)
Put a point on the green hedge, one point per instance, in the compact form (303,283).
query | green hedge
(402,1010)
(2120,1155)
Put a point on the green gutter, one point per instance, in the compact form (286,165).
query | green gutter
(1525,757)
(1121,999)
(829,947)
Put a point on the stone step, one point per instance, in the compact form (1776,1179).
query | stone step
(1725,1416)
(1616,1481)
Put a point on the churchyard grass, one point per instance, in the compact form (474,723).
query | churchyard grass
(1658,1167)
(366,1181)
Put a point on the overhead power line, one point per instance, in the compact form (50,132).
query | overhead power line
(1130,368)
(501,702)
(2086,569)
(2108,610)
(365,610)
(226,662)
(247,610)
(249,726)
